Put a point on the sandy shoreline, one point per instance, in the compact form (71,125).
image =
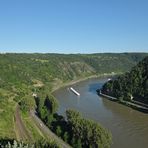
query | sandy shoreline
(82,79)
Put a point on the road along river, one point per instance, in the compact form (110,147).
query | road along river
(129,127)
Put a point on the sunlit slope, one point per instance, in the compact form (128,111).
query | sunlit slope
(27,68)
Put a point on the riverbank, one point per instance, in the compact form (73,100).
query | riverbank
(127,103)
(107,96)
(83,79)
(123,122)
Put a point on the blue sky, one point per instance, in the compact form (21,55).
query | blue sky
(73,26)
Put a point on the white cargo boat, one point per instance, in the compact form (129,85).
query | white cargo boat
(74,91)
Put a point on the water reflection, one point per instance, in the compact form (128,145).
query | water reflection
(93,87)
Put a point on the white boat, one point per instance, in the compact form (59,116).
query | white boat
(74,91)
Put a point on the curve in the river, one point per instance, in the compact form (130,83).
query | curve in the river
(129,127)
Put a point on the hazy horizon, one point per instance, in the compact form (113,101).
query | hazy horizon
(68,53)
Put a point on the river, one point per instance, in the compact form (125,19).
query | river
(129,127)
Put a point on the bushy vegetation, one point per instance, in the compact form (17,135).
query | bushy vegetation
(39,144)
(131,85)
(90,133)
(46,108)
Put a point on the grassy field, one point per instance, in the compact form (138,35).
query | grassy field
(7,109)
(32,129)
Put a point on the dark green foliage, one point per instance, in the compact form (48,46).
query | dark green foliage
(76,142)
(46,144)
(46,108)
(4,142)
(132,84)
(51,104)
(24,106)
(66,136)
(58,131)
(87,133)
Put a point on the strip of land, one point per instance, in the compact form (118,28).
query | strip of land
(134,104)
(46,131)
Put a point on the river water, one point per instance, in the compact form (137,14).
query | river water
(129,127)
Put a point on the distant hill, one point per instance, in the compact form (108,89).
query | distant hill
(35,70)
(29,69)
(132,84)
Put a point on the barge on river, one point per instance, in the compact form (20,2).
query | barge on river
(74,91)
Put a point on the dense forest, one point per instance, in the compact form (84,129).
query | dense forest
(22,75)
(132,85)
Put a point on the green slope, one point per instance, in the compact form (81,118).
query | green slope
(23,74)
(133,83)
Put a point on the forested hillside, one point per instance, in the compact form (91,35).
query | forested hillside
(40,69)
(21,75)
(131,85)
